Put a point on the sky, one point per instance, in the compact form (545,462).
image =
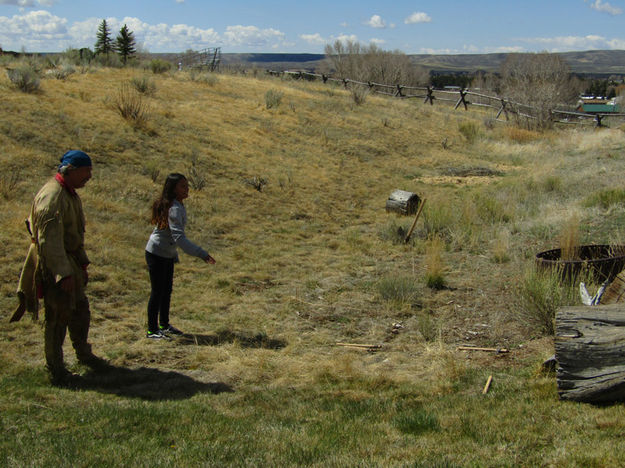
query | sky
(296,26)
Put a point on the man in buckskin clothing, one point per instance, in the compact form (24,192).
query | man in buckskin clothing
(57,226)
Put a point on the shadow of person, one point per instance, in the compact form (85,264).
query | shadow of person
(258,340)
(145,383)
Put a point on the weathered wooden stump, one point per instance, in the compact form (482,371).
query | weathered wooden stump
(402,202)
(590,351)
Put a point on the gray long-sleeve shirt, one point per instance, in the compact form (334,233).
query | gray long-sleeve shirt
(163,242)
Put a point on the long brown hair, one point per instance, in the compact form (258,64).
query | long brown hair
(161,206)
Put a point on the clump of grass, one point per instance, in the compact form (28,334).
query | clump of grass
(152,169)
(159,66)
(541,293)
(470,131)
(438,219)
(196,177)
(8,183)
(490,209)
(501,247)
(144,85)
(399,289)
(393,232)
(434,266)
(131,105)
(569,239)
(552,184)
(359,94)
(520,135)
(416,422)
(25,78)
(427,326)
(61,73)
(273,98)
(605,198)
(197,76)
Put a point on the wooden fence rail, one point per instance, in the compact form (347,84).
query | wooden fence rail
(459,97)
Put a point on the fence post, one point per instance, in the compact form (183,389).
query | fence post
(324,78)
(345,81)
(398,93)
(503,109)
(598,118)
(430,96)
(463,93)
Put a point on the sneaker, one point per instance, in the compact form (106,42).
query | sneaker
(169,330)
(156,335)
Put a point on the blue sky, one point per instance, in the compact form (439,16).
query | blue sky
(414,27)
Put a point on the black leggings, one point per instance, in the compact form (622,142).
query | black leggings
(162,281)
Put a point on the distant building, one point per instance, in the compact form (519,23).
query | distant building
(597,105)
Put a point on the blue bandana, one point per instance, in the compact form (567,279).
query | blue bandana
(75,158)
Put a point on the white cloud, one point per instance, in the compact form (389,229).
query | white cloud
(33,30)
(314,39)
(376,21)
(568,43)
(616,44)
(27,3)
(375,41)
(179,1)
(418,17)
(605,7)
(251,36)
(346,38)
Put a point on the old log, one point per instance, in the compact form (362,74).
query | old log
(402,202)
(590,351)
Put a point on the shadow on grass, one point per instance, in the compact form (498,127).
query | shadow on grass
(245,340)
(145,383)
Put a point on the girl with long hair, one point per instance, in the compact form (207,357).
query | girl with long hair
(169,217)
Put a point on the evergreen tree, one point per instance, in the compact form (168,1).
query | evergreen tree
(104,43)
(125,44)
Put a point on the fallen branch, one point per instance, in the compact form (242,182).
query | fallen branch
(369,347)
(474,348)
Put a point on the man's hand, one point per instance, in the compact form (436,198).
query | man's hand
(210,260)
(67,284)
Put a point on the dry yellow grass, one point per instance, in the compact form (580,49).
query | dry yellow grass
(296,259)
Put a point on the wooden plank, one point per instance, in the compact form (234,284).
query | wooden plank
(590,351)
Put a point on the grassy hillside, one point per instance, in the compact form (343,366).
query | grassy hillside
(305,259)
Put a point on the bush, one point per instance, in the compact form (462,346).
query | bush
(605,198)
(470,131)
(399,289)
(24,78)
(144,85)
(434,267)
(131,106)
(273,98)
(203,77)
(359,94)
(541,293)
(159,66)
(61,73)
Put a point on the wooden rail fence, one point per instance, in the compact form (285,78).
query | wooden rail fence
(460,97)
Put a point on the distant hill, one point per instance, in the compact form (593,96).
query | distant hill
(589,63)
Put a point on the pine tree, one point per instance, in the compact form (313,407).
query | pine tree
(125,44)
(104,43)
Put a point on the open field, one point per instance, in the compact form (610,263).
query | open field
(305,260)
